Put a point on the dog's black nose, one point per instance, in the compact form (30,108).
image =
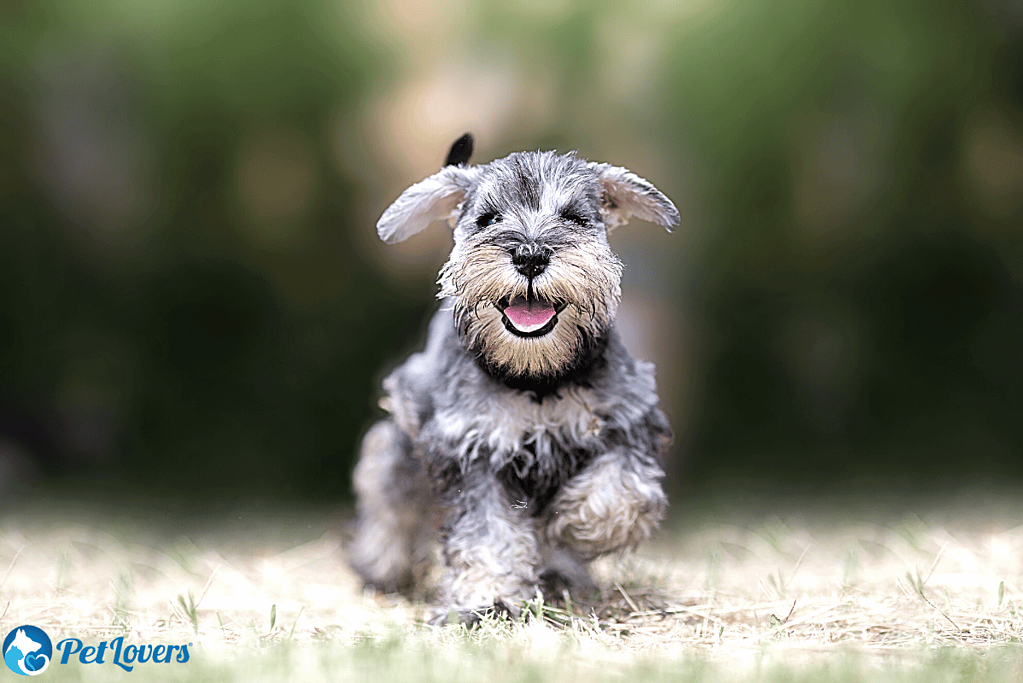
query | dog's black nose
(531,260)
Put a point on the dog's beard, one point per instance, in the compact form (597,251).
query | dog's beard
(581,285)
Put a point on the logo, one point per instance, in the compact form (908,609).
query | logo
(124,656)
(27,650)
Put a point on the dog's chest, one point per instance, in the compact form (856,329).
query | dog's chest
(513,426)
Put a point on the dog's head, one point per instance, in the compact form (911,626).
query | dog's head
(532,279)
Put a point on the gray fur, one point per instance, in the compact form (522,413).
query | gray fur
(540,452)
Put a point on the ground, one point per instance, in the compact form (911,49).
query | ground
(728,594)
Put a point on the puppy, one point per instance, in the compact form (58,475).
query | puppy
(524,423)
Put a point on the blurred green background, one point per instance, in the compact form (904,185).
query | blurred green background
(193,300)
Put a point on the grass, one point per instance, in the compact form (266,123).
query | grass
(268,598)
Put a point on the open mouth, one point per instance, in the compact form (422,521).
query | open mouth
(529,317)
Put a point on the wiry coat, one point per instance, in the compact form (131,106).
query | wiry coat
(540,448)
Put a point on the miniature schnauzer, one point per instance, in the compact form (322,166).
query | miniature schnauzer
(524,425)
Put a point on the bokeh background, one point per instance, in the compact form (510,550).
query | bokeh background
(193,301)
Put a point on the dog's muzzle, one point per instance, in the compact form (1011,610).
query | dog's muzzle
(530,317)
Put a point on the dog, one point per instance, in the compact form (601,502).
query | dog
(523,424)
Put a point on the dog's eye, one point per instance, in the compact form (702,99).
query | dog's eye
(574,217)
(489,218)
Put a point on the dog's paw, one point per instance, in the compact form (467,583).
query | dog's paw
(555,584)
(473,617)
(402,585)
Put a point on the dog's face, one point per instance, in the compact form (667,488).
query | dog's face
(532,279)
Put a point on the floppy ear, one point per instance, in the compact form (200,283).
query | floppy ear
(428,200)
(627,195)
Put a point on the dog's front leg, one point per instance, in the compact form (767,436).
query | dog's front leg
(394,507)
(490,548)
(614,503)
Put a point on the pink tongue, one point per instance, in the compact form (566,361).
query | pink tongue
(529,316)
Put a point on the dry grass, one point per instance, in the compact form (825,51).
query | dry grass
(730,596)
